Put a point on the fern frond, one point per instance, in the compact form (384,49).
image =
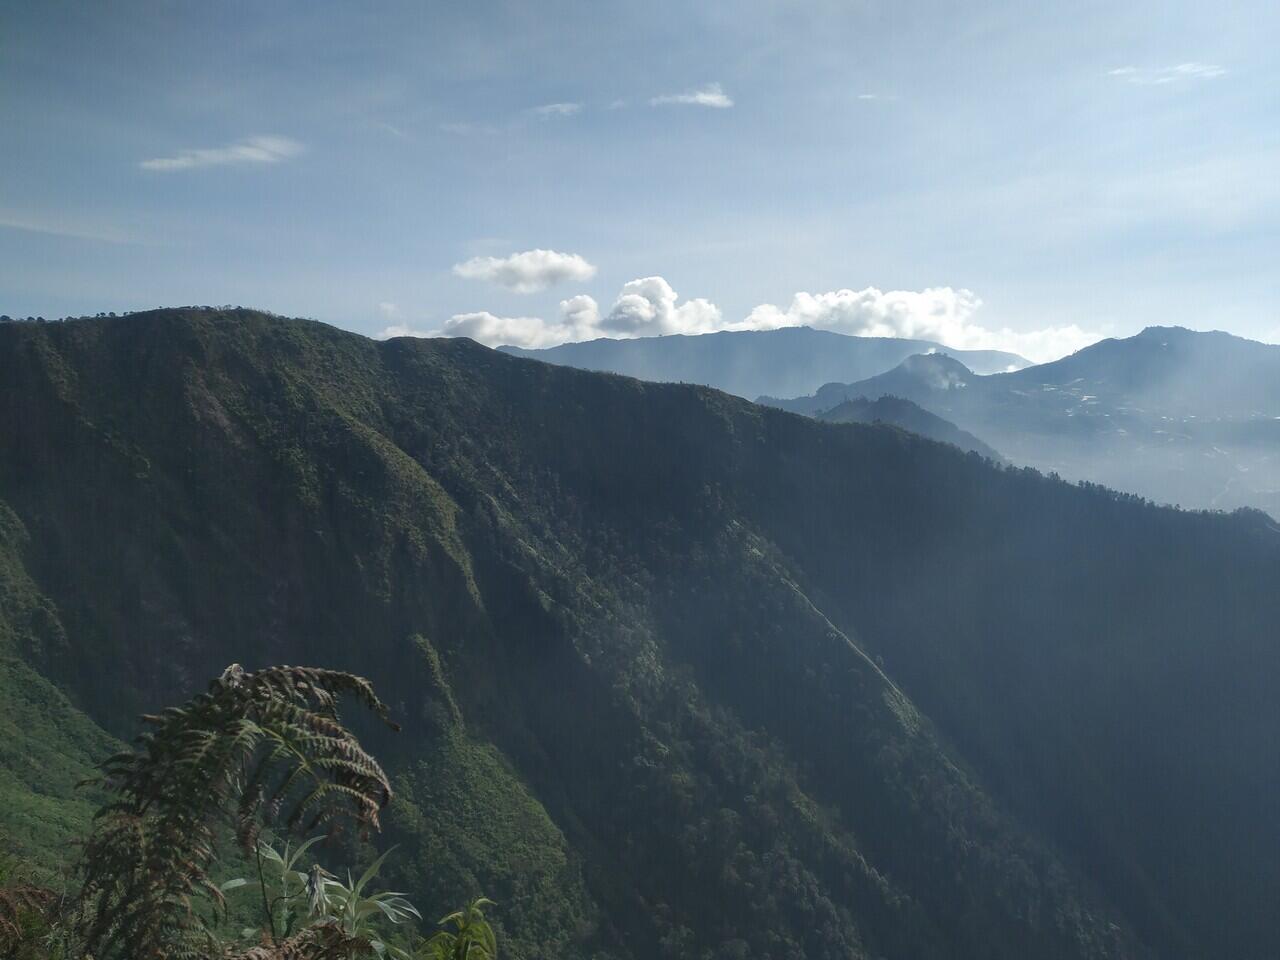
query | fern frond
(254,745)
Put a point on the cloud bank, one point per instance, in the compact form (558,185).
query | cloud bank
(254,150)
(943,314)
(712,95)
(649,307)
(527,272)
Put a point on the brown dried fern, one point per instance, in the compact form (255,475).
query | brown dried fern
(19,903)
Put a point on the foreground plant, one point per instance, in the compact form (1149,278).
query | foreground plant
(315,896)
(470,939)
(26,909)
(261,748)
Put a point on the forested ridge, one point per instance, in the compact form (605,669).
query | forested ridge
(678,675)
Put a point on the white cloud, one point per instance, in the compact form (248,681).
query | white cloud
(527,272)
(644,308)
(1159,76)
(938,313)
(709,96)
(649,307)
(255,150)
(581,312)
(388,309)
(521,331)
(555,110)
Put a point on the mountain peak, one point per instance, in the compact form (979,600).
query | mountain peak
(936,370)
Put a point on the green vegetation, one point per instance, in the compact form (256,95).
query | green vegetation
(47,746)
(679,676)
(259,749)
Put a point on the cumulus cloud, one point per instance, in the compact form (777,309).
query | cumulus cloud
(649,307)
(581,312)
(389,309)
(527,272)
(1159,76)
(254,150)
(712,95)
(943,314)
(488,328)
(644,308)
(521,331)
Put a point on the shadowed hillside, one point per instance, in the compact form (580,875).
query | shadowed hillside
(908,416)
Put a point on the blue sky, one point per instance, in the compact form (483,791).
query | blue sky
(993,174)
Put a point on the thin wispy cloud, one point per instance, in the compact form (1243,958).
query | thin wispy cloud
(877,96)
(527,272)
(468,128)
(546,111)
(555,110)
(712,95)
(391,129)
(59,227)
(1161,76)
(254,150)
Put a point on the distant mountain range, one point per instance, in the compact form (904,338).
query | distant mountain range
(1172,414)
(782,363)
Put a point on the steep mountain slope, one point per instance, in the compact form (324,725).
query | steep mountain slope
(47,747)
(908,416)
(1178,416)
(679,675)
(784,363)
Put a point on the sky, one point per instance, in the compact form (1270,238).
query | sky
(1024,176)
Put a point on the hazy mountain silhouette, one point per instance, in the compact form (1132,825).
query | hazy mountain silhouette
(783,363)
(1172,414)
(909,416)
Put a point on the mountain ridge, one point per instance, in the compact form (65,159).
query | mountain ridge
(1173,414)
(751,685)
(783,362)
